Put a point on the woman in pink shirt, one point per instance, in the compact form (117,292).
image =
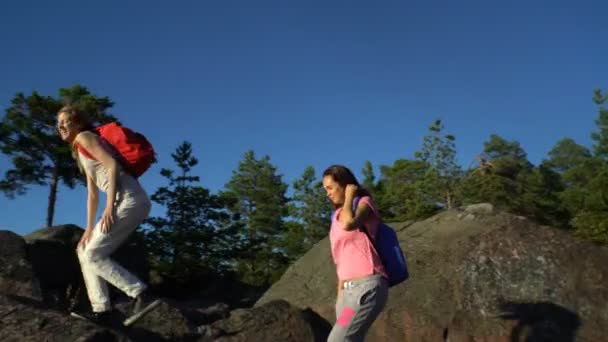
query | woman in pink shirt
(362,280)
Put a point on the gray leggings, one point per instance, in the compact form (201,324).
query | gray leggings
(357,308)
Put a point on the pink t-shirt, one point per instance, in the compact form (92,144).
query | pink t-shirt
(353,253)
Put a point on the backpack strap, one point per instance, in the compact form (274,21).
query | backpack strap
(363,228)
(85,152)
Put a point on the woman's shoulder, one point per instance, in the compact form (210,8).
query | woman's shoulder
(366,199)
(86,137)
(369,201)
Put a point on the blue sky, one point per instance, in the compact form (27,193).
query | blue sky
(308,82)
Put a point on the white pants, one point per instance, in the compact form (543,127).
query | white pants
(97,267)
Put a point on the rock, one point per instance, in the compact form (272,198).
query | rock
(166,321)
(63,286)
(68,234)
(56,266)
(307,282)
(205,315)
(274,321)
(16,272)
(131,254)
(398,226)
(487,279)
(21,320)
(480,208)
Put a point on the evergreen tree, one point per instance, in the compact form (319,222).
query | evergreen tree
(28,135)
(195,236)
(600,137)
(443,175)
(311,213)
(369,178)
(401,191)
(258,199)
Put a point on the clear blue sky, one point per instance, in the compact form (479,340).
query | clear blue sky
(308,82)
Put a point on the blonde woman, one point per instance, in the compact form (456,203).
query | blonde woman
(126,207)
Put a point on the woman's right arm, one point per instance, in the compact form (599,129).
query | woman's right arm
(92,202)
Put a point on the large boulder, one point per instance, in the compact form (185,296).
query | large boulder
(23,321)
(476,275)
(53,258)
(166,322)
(273,321)
(131,253)
(17,275)
(68,234)
(51,252)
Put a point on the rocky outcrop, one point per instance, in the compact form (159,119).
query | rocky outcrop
(51,253)
(476,275)
(17,275)
(273,321)
(167,322)
(40,276)
(30,321)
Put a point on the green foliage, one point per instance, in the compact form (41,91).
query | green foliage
(510,182)
(311,215)
(501,183)
(591,220)
(600,137)
(195,236)
(369,177)
(491,188)
(539,191)
(508,157)
(443,175)
(401,191)
(567,155)
(574,168)
(29,137)
(587,198)
(257,197)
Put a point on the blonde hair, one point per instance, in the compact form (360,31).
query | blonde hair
(79,117)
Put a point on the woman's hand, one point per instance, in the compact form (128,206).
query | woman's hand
(107,220)
(84,239)
(350,191)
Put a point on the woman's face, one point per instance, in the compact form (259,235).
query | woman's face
(334,191)
(67,128)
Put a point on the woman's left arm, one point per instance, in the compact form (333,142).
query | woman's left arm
(91,143)
(349,219)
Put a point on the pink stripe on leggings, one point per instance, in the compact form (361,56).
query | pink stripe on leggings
(345,317)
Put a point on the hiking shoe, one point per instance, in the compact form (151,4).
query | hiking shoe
(142,304)
(101,318)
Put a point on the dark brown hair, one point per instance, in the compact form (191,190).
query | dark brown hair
(343,176)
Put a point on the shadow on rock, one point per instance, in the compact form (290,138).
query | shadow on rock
(320,326)
(541,321)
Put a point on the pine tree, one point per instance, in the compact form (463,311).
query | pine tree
(195,236)
(257,195)
(443,175)
(28,135)
(310,211)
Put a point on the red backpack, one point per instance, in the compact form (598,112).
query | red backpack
(136,151)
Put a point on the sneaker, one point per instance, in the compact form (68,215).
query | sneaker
(143,304)
(101,318)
